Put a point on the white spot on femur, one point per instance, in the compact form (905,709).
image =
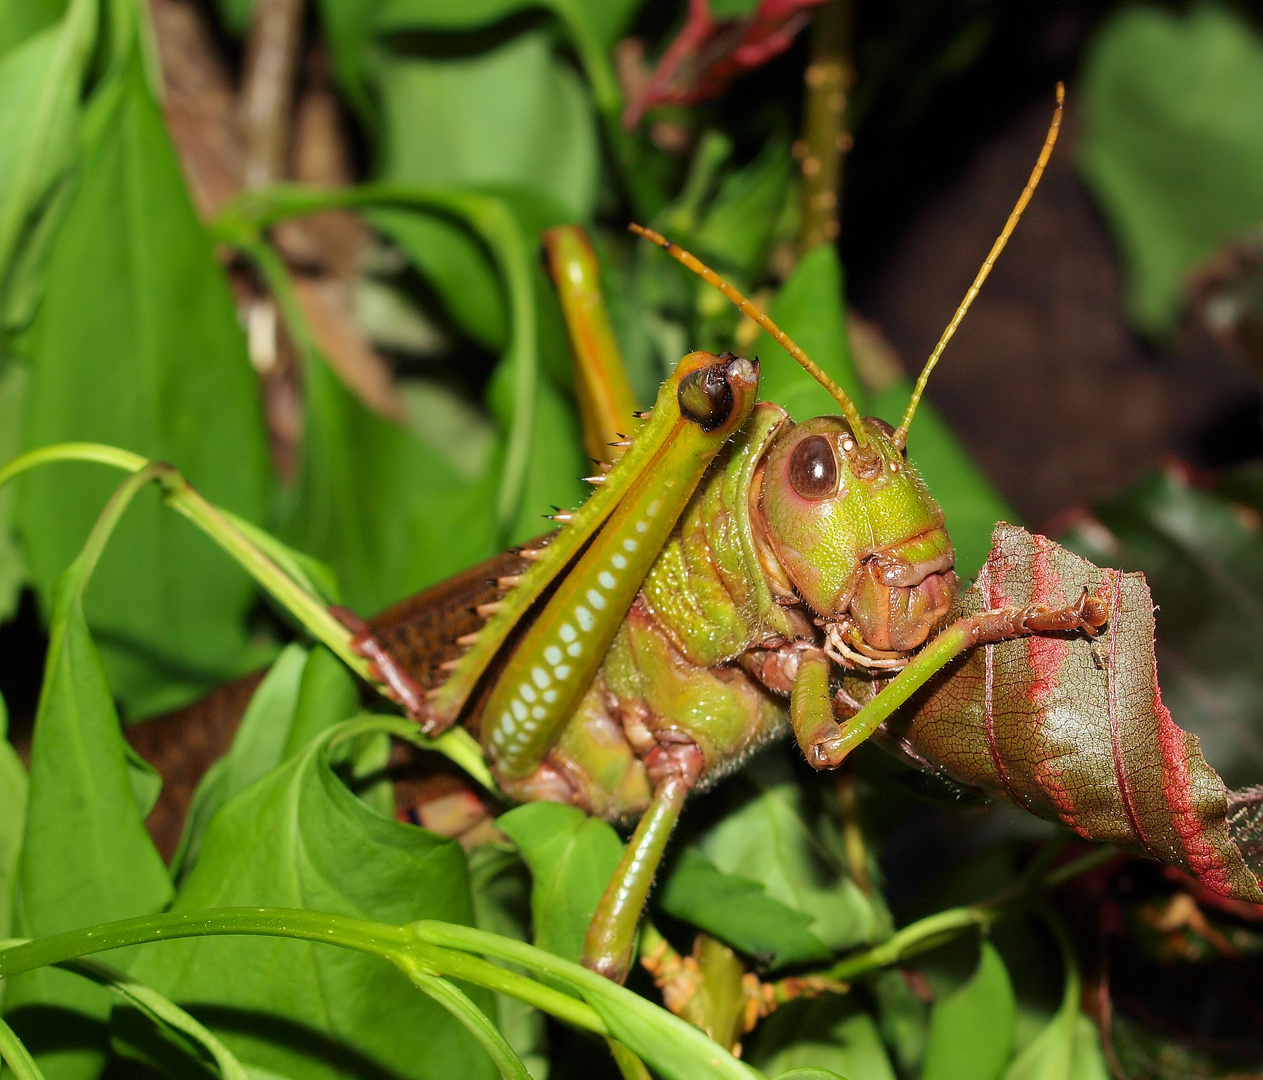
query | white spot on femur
(584,618)
(618,562)
(653,508)
(606,579)
(630,545)
(528,692)
(553,655)
(519,710)
(642,526)
(539,712)
(506,722)
(541,678)
(567,632)
(595,599)
(562,671)
(549,695)
(574,649)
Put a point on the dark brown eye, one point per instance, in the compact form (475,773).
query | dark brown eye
(813,470)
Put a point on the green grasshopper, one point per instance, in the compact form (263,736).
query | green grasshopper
(706,597)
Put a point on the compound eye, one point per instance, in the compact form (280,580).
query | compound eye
(813,468)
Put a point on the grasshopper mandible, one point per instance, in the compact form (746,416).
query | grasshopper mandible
(705,597)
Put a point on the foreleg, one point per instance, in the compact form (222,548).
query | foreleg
(826,748)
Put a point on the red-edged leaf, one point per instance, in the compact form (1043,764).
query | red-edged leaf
(1075,730)
(709,53)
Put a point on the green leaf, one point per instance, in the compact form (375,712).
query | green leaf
(810,1074)
(737,228)
(327,694)
(457,265)
(809,309)
(771,836)
(257,748)
(572,858)
(13,787)
(39,111)
(299,838)
(1069,1047)
(85,853)
(136,344)
(828,1036)
(605,20)
(12,565)
(512,115)
(971,1030)
(379,505)
(969,500)
(738,911)
(1171,144)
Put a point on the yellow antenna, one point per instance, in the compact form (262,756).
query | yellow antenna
(900,436)
(710,277)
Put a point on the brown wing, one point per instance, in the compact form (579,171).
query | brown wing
(421,631)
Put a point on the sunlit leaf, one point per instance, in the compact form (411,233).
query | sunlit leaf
(86,856)
(40,82)
(137,345)
(12,565)
(257,748)
(738,911)
(299,838)
(971,1030)
(12,817)
(823,1038)
(513,115)
(770,836)
(572,858)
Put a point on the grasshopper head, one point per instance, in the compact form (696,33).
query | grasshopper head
(857,532)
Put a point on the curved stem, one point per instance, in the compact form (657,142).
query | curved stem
(474,1021)
(394,943)
(16,1056)
(943,925)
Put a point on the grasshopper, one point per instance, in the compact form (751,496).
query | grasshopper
(706,597)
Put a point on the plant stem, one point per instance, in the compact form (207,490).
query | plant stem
(16,1056)
(943,925)
(340,930)
(825,139)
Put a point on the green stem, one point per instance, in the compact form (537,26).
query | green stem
(943,925)
(305,605)
(394,943)
(342,930)
(16,1056)
(473,1019)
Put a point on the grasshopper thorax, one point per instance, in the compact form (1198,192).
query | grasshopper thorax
(857,533)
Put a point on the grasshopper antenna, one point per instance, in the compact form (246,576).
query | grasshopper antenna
(900,436)
(810,366)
